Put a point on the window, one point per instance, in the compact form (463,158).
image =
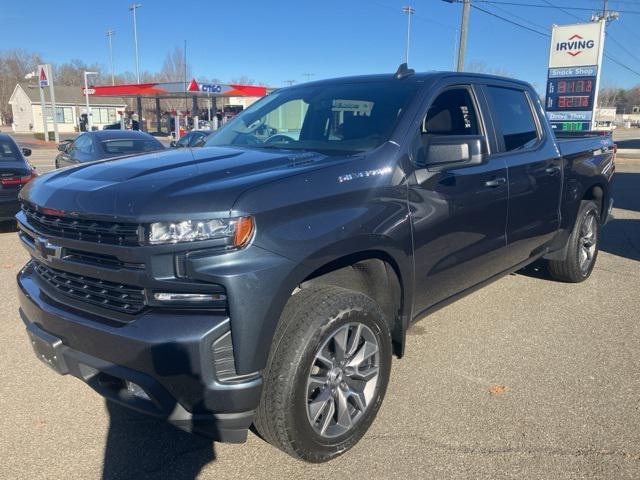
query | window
(83,144)
(515,118)
(103,115)
(9,152)
(128,146)
(334,119)
(63,114)
(452,113)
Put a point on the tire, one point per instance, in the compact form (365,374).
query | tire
(582,246)
(314,322)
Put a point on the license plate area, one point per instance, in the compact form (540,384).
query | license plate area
(48,349)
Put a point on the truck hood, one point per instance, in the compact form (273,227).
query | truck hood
(169,185)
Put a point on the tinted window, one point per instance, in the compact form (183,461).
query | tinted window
(332,118)
(9,152)
(452,113)
(83,144)
(128,146)
(515,118)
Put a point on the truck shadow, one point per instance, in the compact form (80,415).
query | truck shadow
(621,237)
(143,447)
(625,188)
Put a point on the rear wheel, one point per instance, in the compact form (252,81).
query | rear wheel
(327,373)
(582,247)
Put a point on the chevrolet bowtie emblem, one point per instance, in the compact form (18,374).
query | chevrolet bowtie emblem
(46,249)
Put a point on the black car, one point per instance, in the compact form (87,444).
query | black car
(102,144)
(118,126)
(15,172)
(194,138)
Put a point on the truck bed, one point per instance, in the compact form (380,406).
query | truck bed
(574,143)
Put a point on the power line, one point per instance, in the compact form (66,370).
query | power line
(563,10)
(508,12)
(512,22)
(537,5)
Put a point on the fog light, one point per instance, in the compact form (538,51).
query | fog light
(137,391)
(194,298)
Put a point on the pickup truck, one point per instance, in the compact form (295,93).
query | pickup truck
(270,281)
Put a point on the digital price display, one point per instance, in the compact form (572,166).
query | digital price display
(567,94)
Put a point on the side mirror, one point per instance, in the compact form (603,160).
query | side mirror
(443,150)
(26,151)
(63,145)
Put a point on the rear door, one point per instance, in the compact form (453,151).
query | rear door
(534,169)
(458,211)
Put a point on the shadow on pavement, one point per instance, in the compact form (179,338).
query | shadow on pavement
(621,237)
(625,190)
(143,447)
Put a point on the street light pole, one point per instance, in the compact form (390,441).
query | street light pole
(133,8)
(86,96)
(409,11)
(109,35)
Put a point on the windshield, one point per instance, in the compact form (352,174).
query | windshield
(332,119)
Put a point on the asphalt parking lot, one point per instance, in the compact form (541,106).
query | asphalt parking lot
(527,378)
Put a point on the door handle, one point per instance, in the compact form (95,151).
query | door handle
(552,170)
(496,182)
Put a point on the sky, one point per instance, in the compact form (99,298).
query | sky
(271,42)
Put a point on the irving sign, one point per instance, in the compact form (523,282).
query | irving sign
(575,45)
(573,80)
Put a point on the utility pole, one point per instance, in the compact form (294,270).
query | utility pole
(606,15)
(464,26)
(133,8)
(109,35)
(86,96)
(308,76)
(409,11)
(289,82)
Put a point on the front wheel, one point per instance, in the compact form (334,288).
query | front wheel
(582,246)
(327,373)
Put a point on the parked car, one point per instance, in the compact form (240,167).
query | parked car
(194,138)
(101,144)
(131,125)
(253,282)
(15,173)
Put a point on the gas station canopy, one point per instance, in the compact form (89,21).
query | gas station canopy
(176,90)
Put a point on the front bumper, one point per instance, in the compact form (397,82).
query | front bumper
(167,355)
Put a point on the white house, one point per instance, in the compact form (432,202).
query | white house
(70,105)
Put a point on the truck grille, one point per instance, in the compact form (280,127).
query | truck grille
(114,296)
(112,233)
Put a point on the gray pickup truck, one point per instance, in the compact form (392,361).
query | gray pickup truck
(269,278)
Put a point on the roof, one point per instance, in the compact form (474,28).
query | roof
(118,134)
(67,95)
(415,77)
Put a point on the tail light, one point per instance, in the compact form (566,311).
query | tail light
(19,180)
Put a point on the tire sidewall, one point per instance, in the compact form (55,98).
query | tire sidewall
(308,440)
(588,208)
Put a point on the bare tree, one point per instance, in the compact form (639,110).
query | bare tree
(14,65)
(173,67)
(242,80)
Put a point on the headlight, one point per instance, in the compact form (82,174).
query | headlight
(237,230)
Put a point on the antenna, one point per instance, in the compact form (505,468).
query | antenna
(403,71)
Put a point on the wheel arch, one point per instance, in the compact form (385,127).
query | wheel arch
(374,273)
